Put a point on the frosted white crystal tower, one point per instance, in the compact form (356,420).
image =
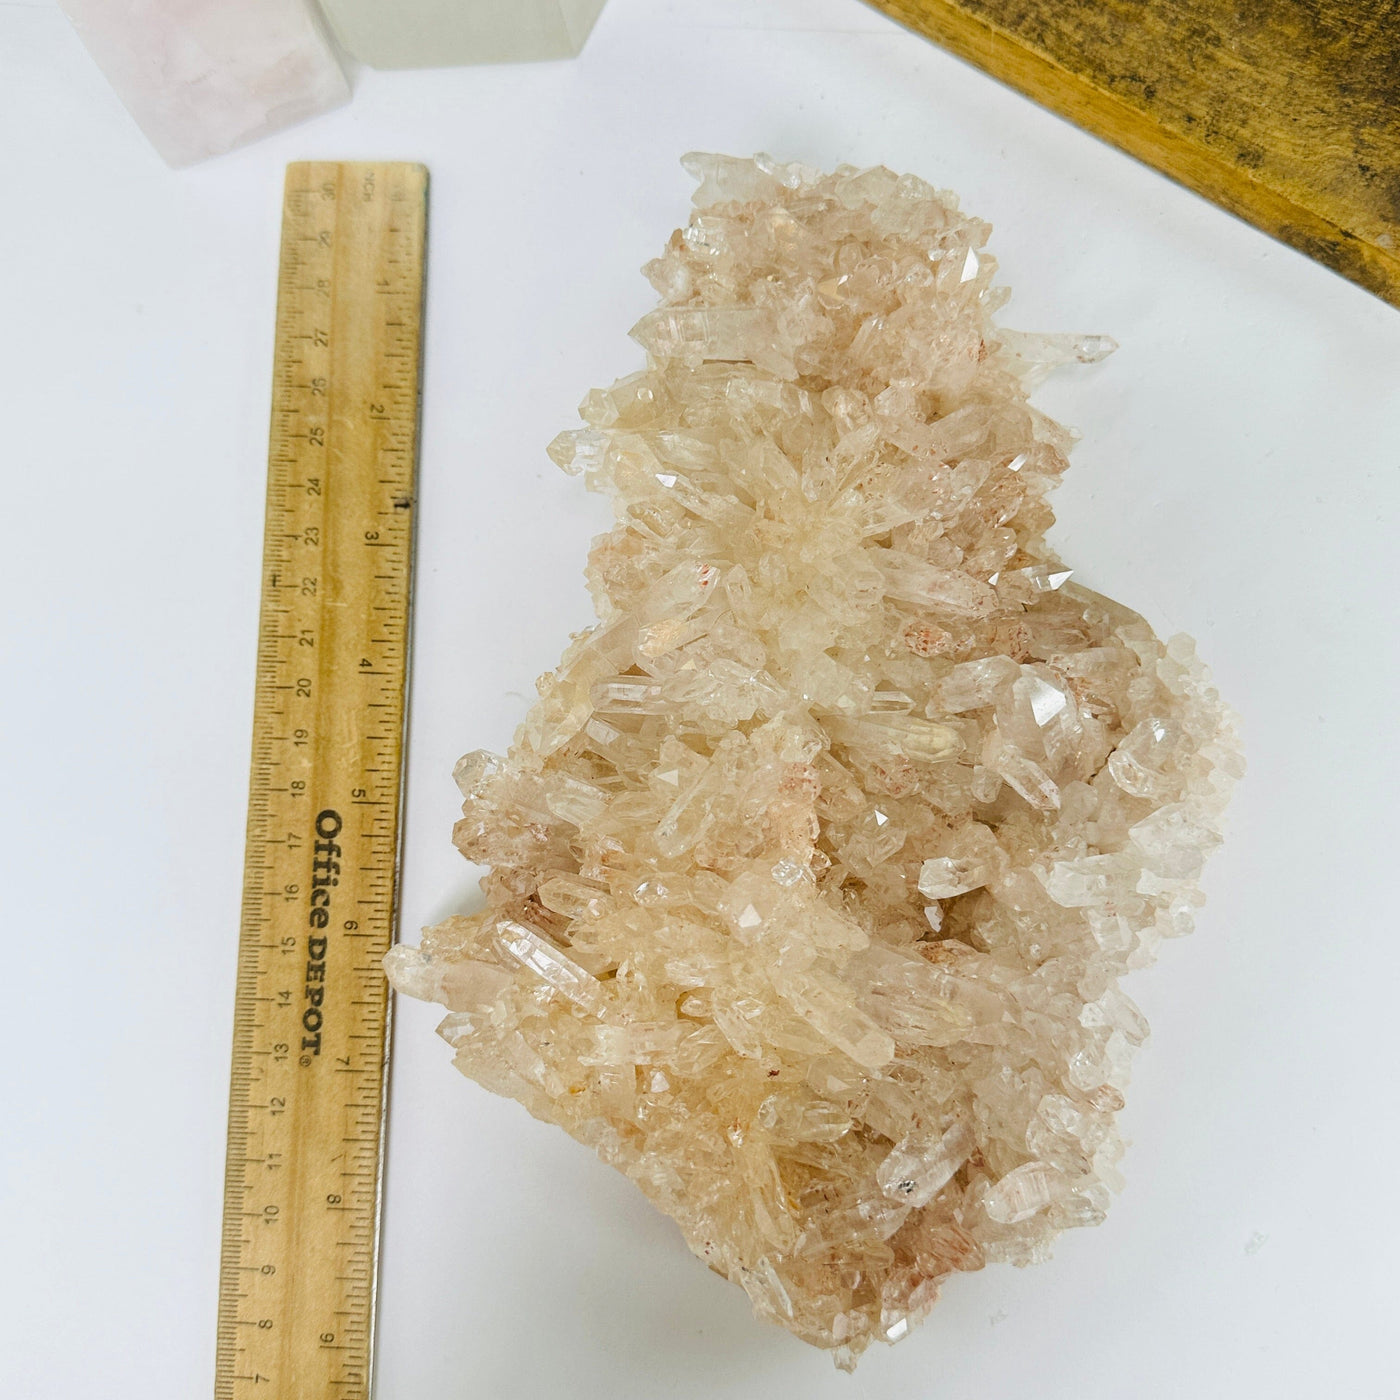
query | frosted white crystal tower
(434,33)
(814,869)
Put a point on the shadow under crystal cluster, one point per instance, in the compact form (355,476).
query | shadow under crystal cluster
(813,871)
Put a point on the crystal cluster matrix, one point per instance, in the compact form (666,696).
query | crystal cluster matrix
(814,870)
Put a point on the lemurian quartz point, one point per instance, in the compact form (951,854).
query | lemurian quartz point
(814,869)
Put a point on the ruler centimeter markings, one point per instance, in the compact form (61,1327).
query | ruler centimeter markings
(311,1011)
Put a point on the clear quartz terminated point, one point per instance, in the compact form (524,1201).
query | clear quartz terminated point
(813,871)
(534,952)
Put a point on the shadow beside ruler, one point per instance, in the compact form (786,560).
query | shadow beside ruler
(311,1012)
(1284,112)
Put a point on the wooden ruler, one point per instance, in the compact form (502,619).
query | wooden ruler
(311,1015)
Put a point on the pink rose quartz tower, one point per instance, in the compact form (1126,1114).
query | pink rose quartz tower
(814,870)
(204,76)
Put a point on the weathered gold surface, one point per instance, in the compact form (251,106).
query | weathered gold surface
(1285,112)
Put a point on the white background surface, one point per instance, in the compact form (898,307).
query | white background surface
(1237,479)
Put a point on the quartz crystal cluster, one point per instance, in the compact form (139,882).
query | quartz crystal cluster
(814,870)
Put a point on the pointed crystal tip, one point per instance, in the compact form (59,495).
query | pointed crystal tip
(1090,349)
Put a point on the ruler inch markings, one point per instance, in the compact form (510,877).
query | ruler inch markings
(292,1324)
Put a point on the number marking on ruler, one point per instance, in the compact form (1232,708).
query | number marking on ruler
(311,1012)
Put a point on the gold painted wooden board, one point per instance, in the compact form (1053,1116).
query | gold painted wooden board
(1284,112)
(311,1008)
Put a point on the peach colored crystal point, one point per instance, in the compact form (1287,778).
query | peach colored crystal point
(815,867)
